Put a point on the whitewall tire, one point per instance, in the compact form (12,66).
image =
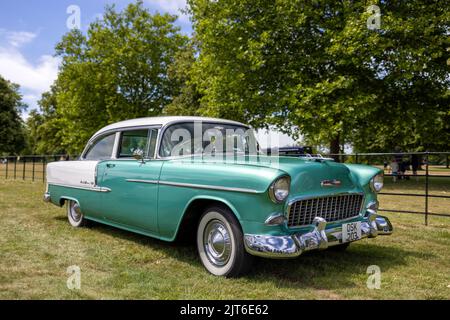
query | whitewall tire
(74,214)
(220,243)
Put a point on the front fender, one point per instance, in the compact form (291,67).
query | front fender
(362,173)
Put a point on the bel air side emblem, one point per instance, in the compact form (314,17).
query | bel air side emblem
(330,183)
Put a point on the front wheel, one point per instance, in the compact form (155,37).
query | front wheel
(220,243)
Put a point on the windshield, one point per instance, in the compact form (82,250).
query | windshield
(200,138)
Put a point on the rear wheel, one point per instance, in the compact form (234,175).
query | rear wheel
(220,243)
(74,215)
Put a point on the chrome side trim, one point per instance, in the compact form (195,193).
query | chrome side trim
(96,188)
(321,237)
(195,186)
(143,181)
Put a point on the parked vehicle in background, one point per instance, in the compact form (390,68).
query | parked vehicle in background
(169,177)
(295,151)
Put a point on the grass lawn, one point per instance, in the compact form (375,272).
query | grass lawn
(37,246)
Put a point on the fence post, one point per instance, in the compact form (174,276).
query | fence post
(43,168)
(34,163)
(448,162)
(426,187)
(15,167)
(23,169)
(356,157)
(6,173)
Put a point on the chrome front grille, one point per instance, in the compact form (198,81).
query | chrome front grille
(331,208)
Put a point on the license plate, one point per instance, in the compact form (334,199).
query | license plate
(351,231)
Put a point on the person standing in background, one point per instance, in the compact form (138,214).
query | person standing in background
(394,169)
(400,165)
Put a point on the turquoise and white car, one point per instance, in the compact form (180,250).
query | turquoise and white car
(205,178)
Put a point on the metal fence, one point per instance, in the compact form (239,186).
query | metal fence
(27,167)
(33,168)
(431,165)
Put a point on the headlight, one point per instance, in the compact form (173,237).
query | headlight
(376,183)
(279,189)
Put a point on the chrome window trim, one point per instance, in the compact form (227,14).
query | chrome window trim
(116,155)
(196,186)
(98,138)
(95,188)
(116,147)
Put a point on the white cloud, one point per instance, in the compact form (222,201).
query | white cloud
(17,38)
(171,6)
(36,78)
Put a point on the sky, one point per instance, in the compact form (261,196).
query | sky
(29,31)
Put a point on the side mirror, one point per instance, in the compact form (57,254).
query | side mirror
(138,154)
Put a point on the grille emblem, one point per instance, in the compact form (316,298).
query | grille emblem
(330,183)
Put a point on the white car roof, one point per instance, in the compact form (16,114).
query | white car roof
(160,121)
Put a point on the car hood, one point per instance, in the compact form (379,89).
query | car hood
(306,174)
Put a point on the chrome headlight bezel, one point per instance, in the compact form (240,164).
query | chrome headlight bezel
(377,182)
(279,189)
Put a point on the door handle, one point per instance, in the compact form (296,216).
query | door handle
(110,165)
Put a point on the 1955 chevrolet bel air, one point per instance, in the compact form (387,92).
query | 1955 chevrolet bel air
(172,177)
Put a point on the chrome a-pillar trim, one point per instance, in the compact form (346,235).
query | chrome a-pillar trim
(320,237)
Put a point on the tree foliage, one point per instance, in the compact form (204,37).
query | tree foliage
(117,71)
(12,131)
(313,68)
(316,68)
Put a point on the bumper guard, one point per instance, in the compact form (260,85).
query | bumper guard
(291,246)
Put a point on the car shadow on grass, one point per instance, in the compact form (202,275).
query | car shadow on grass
(324,269)
(333,270)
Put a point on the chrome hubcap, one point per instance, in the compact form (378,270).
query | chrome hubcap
(217,243)
(76,216)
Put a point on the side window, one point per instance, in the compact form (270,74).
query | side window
(133,141)
(101,149)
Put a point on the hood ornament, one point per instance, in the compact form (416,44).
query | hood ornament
(330,183)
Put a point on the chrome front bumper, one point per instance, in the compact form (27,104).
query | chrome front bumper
(321,237)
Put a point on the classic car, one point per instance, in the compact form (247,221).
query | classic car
(180,177)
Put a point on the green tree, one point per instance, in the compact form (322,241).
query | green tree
(45,127)
(117,71)
(318,68)
(186,101)
(12,132)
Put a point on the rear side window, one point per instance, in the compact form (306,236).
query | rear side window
(134,141)
(101,149)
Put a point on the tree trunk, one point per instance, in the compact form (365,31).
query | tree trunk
(335,147)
